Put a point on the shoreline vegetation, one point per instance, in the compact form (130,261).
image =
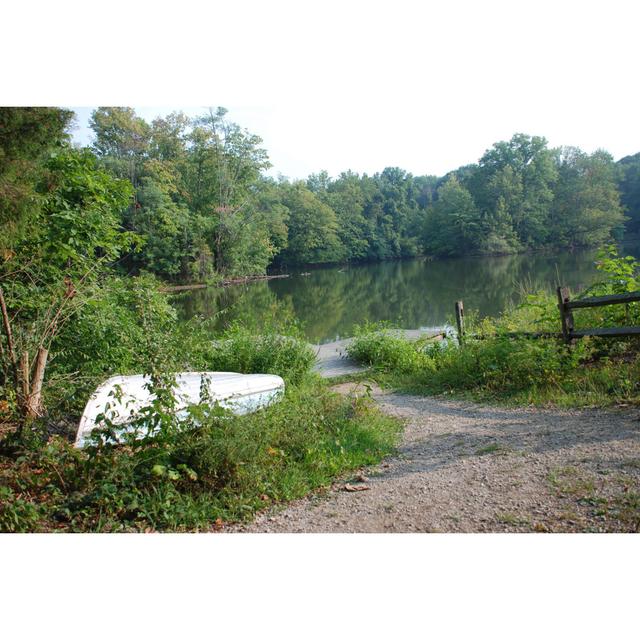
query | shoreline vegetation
(496,363)
(90,237)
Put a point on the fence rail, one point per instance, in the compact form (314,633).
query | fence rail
(566,306)
(603,301)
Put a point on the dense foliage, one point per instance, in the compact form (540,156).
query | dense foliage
(223,471)
(205,209)
(630,189)
(25,136)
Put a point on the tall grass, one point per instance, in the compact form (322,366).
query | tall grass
(521,371)
(241,350)
(223,471)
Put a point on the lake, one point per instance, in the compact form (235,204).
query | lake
(413,294)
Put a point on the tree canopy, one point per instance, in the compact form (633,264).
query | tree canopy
(202,206)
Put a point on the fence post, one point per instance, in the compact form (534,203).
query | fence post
(566,316)
(460,321)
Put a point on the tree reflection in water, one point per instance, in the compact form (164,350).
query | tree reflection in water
(411,293)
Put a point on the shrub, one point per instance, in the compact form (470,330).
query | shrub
(498,366)
(240,350)
(386,349)
(126,326)
(226,469)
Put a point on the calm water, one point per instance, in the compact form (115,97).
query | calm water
(413,293)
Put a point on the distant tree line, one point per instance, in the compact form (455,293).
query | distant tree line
(202,207)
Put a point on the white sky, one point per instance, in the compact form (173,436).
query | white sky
(350,85)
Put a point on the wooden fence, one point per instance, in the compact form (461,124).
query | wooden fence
(566,306)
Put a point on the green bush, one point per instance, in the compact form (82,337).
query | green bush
(241,350)
(125,326)
(385,348)
(494,365)
(498,365)
(226,469)
(122,326)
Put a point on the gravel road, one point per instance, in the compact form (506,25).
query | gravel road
(463,467)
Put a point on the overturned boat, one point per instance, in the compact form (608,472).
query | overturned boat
(120,400)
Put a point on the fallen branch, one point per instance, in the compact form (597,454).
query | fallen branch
(224,283)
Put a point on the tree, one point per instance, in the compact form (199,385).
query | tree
(196,183)
(122,140)
(27,135)
(345,197)
(205,210)
(498,235)
(587,208)
(392,214)
(453,225)
(223,164)
(168,137)
(313,228)
(629,186)
(166,227)
(76,235)
(518,176)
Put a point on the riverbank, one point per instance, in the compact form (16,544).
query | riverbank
(506,370)
(501,361)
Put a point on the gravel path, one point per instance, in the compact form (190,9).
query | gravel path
(463,467)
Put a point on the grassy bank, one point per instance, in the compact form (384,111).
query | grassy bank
(514,371)
(186,478)
(493,366)
(193,479)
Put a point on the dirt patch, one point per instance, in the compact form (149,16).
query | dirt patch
(463,467)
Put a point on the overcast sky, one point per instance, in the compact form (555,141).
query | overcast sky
(356,85)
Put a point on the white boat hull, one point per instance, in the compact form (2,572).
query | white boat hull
(240,393)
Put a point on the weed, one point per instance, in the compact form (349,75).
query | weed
(240,350)
(513,519)
(225,470)
(494,447)
(615,505)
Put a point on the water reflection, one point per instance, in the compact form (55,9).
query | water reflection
(414,293)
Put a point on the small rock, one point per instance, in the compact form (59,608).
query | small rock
(355,487)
